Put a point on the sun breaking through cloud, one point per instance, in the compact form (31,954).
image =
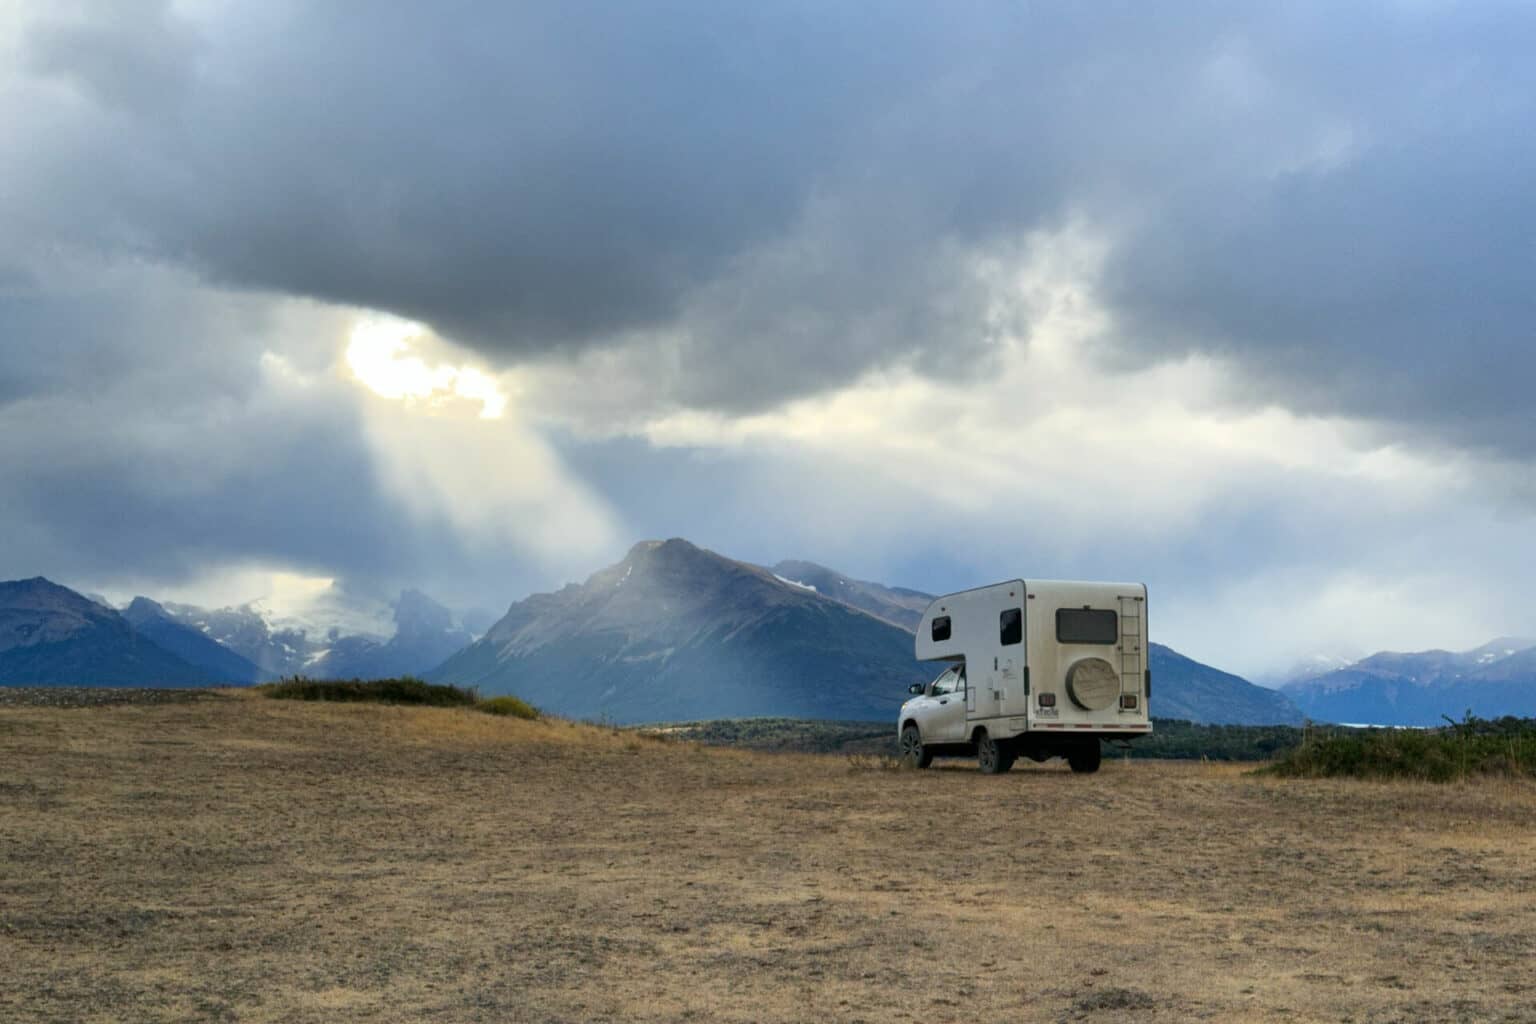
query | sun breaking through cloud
(378,354)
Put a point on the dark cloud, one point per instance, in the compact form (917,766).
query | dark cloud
(798,192)
(539,179)
(134,55)
(1392,280)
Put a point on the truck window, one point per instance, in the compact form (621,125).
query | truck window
(945,683)
(1087,626)
(941,628)
(1010,627)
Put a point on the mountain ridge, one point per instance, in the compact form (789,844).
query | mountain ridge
(1425,687)
(674,631)
(51,636)
(150,619)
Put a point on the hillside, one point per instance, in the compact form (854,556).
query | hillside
(896,605)
(1425,687)
(50,636)
(674,632)
(150,620)
(1184,688)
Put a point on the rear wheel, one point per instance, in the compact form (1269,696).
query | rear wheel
(912,750)
(1085,758)
(993,757)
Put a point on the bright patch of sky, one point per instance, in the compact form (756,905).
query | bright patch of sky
(379,356)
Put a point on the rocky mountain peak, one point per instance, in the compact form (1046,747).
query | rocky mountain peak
(417,614)
(144,607)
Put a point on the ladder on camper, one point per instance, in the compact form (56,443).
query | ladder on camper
(1132,643)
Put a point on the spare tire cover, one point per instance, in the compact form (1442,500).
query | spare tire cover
(1092,684)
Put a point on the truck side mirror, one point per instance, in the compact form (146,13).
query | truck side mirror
(916,689)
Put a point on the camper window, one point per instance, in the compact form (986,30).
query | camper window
(1010,627)
(941,628)
(1087,626)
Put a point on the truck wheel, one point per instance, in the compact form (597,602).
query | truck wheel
(1085,758)
(994,758)
(912,750)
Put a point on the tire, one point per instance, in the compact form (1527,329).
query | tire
(913,752)
(1085,759)
(992,757)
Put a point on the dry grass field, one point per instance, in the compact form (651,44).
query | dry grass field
(249,860)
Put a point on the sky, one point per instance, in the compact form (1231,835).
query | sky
(1234,299)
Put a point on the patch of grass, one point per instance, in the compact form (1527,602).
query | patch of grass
(404,690)
(876,763)
(512,706)
(1471,748)
(1114,999)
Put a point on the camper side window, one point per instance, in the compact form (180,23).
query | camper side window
(940,628)
(1010,627)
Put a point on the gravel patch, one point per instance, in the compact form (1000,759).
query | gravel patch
(96,696)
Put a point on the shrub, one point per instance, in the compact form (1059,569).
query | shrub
(404,690)
(1469,748)
(512,706)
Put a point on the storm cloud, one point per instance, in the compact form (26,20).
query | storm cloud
(779,198)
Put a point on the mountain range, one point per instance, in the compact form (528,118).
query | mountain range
(51,635)
(677,632)
(1424,688)
(423,633)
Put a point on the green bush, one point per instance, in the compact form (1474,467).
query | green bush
(1470,748)
(1177,739)
(405,690)
(512,706)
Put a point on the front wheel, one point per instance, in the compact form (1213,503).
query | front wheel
(993,757)
(912,750)
(1085,759)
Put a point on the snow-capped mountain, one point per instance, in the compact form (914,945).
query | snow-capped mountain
(1424,687)
(335,636)
(1309,667)
(223,665)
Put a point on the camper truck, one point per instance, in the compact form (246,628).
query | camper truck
(1037,668)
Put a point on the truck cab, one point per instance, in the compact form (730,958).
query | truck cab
(1037,668)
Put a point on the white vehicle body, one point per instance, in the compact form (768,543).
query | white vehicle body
(1042,668)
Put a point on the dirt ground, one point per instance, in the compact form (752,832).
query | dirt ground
(253,860)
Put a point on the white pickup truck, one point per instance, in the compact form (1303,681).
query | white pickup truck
(1039,669)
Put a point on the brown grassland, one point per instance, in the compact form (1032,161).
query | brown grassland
(250,860)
